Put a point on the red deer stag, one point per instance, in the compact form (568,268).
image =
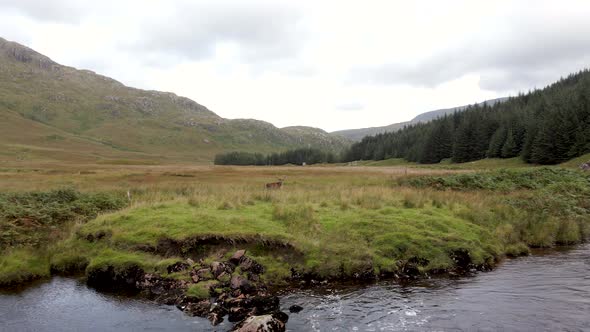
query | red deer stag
(275,185)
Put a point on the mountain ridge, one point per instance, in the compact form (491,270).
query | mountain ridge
(98,108)
(358,134)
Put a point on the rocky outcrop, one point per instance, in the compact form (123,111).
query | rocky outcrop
(585,166)
(24,54)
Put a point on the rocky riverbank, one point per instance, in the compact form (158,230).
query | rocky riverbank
(233,289)
(218,290)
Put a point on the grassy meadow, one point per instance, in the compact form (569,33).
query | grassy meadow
(328,222)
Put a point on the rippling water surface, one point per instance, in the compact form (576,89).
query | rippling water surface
(546,292)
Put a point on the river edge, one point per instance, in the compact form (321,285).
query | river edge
(538,292)
(309,285)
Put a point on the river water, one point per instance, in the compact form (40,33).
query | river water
(548,291)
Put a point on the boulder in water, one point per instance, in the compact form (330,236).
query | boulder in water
(264,323)
(200,309)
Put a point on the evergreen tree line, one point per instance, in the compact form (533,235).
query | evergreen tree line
(308,156)
(546,126)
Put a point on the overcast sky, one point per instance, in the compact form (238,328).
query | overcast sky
(328,64)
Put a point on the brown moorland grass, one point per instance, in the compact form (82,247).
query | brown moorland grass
(332,221)
(93,177)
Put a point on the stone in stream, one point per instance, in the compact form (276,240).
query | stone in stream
(264,304)
(295,308)
(265,323)
(237,313)
(200,309)
(215,318)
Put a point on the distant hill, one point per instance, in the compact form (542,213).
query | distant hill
(358,134)
(47,107)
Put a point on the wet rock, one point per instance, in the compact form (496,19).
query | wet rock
(263,304)
(281,316)
(239,308)
(264,323)
(295,308)
(200,309)
(222,297)
(215,318)
(218,309)
(166,291)
(148,280)
(237,256)
(366,275)
(177,267)
(236,314)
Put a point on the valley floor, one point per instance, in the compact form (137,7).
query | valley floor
(326,223)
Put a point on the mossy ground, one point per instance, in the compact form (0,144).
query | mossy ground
(332,222)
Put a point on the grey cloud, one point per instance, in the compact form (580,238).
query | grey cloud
(532,54)
(262,30)
(68,11)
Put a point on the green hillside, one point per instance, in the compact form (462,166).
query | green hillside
(112,119)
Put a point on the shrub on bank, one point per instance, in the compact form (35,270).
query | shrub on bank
(33,221)
(28,219)
(505,180)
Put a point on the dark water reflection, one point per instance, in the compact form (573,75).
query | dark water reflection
(549,291)
(68,305)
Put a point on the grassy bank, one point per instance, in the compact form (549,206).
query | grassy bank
(32,223)
(329,222)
